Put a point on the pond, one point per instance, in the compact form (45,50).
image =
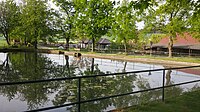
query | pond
(24,66)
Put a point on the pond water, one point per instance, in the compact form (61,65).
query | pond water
(22,66)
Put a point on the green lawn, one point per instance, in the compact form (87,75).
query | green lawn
(188,102)
(178,59)
(3,43)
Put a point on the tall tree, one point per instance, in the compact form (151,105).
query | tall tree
(9,12)
(173,15)
(35,18)
(124,28)
(67,19)
(95,18)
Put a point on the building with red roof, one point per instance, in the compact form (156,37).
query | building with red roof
(182,44)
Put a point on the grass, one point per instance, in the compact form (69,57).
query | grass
(188,102)
(178,59)
(3,43)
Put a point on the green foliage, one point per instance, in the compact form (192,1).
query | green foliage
(155,38)
(66,21)
(170,18)
(95,18)
(9,13)
(34,18)
(124,28)
(26,22)
(194,20)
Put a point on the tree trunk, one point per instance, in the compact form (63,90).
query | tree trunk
(67,44)
(92,66)
(35,43)
(151,50)
(93,45)
(7,38)
(170,45)
(125,46)
(25,41)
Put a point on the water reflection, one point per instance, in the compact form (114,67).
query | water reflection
(33,66)
(28,66)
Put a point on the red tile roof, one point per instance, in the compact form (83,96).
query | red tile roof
(185,39)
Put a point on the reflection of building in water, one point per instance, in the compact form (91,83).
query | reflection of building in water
(190,71)
(81,62)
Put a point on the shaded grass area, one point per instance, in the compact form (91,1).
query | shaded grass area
(4,47)
(188,102)
(3,43)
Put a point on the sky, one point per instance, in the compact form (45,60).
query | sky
(140,25)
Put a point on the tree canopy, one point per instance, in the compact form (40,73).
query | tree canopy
(30,21)
(95,18)
(170,17)
(124,25)
(9,20)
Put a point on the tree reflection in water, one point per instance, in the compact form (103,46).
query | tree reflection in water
(104,86)
(33,66)
(172,91)
(28,66)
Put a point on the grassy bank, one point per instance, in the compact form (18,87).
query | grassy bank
(179,59)
(188,102)
(164,58)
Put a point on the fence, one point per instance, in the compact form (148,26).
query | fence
(148,52)
(79,78)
